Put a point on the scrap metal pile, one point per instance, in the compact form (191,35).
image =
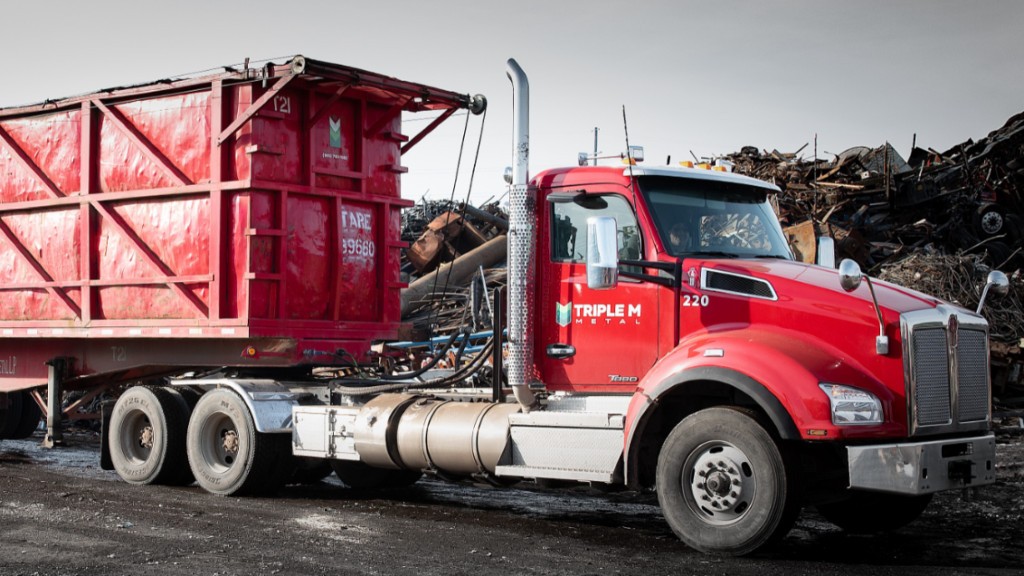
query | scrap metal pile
(937,222)
(455,259)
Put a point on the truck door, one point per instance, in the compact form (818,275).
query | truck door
(591,340)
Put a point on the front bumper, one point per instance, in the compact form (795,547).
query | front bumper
(923,467)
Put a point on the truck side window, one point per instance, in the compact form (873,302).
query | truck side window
(569,227)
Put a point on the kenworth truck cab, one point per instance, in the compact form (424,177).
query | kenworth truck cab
(660,335)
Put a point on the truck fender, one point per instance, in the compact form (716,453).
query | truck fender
(646,399)
(777,369)
(270,402)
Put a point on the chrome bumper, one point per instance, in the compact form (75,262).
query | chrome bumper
(923,467)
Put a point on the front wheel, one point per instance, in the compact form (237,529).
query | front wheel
(723,483)
(871,512)
(228,455)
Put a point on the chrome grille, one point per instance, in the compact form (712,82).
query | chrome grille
(931,373)
(945,355)
(972,375)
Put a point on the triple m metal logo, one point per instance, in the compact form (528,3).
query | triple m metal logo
(597,314)
(335,124)
(336,140)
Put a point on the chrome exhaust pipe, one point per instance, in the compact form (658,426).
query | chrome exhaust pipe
(520,246)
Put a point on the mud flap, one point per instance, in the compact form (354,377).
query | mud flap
(106,410)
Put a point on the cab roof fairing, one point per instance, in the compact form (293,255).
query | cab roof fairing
(700,174)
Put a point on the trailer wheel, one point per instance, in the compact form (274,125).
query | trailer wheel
(871,512)
(30,416)
(228,456)
(10,417)
(359,476)
(147,437)
(181,410)
(723,483)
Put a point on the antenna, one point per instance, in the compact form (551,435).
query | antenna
(629,151)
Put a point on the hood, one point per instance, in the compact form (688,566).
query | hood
(791,279)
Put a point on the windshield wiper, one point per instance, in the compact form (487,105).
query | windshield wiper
(775,256)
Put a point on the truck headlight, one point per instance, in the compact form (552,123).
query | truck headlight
(852,406)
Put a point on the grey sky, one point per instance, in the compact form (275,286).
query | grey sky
(707,76)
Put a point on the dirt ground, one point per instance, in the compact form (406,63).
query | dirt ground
(61,515)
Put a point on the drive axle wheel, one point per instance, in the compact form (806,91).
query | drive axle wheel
(147,437)
(723,484)
(228,455)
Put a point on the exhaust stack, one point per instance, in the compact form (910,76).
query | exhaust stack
(520,246)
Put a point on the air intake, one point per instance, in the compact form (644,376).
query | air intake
(731,283)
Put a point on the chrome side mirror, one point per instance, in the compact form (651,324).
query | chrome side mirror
(602,253)
(997,283)
(850,275)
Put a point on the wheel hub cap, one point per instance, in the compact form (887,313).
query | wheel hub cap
(721,482)
(146,437)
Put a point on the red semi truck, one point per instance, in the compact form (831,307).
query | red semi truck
(223,251)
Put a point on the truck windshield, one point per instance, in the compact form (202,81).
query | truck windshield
(704,217)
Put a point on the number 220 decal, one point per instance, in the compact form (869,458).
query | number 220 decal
(696,300)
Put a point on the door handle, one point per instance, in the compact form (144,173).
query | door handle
(561,350)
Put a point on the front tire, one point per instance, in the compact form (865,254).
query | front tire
(228,455)
(147,437)
(871,512)
(723,483)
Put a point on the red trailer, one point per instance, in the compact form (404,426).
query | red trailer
(249,218)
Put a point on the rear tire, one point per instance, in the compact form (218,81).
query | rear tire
(359,476)
(180,410)
(30,416)
(723,483)
(10,417)
(227,455)
(147,437)
(871,512)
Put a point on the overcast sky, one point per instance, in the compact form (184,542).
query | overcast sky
(707,77)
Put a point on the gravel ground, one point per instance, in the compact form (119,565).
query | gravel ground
(61,515)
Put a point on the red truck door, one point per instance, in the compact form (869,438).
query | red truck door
(591,340)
